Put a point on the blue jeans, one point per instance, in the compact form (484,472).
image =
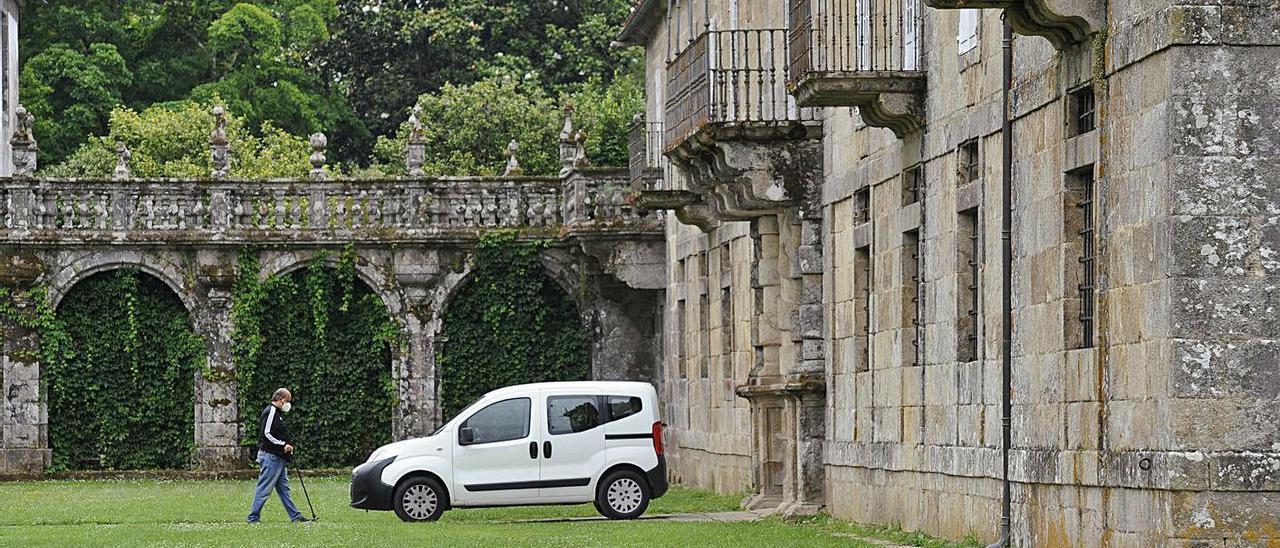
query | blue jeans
(272,474)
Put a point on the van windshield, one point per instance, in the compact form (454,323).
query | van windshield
(465,411)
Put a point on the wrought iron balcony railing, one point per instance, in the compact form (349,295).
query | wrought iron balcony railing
(854,36)
(729,76)
(644,144)
(859,53)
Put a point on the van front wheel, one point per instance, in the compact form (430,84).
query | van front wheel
(419,499)
(624,494)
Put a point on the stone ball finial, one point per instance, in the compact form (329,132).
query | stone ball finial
(318,143)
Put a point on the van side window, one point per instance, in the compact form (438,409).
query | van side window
(500,421)
(621,407)
(569,414)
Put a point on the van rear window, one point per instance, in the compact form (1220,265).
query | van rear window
(621,407)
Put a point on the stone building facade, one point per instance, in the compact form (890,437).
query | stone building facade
(833,318)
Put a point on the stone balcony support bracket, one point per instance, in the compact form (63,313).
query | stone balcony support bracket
(748,170)
(888,99)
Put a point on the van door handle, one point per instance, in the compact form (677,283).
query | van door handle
(533,449)
(546,449)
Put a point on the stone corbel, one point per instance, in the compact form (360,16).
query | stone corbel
(1063,22)
(687,206)
(888,99)
(744,172)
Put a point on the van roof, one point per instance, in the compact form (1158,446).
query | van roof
(600,387)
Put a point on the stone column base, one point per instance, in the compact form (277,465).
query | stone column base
(222,458)
(25,460)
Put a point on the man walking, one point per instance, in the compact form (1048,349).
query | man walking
(274,451)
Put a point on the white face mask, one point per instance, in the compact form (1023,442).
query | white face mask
(286,407)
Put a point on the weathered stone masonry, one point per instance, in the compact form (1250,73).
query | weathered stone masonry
(1145,359)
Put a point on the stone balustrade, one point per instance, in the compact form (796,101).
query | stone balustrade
(393,209)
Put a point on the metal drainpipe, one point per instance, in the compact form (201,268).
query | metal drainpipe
(1006,285)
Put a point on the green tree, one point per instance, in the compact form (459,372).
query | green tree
(468,126)
(172,140)
(70,93)
(605,111)
(258,56)
(385,54)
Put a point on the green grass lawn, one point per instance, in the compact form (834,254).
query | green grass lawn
(188,513)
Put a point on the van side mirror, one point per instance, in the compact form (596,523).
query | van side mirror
(466,435)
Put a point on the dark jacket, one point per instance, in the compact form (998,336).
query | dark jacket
(273,433)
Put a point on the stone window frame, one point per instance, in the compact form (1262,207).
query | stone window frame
(863,289)
(862,205)
(704,315)
(912,183)
(912,299)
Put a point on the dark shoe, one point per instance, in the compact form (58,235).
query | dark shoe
(301,519)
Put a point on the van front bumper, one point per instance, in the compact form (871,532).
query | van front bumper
(658,478)
(367,490)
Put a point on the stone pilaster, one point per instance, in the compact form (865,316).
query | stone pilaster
(766,285)
(25,419)
(217,410)
(414,367)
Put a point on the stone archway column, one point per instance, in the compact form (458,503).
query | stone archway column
(414,367)
(217,410)
(25,419)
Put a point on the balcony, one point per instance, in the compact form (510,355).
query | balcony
(1063,22)
(859,53)
(737,137)
(644,147)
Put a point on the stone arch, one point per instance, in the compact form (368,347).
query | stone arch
(159,286)
(383,285)
(162,268)
(376,278)
(558,267)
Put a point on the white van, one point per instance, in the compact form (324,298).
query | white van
(546,443)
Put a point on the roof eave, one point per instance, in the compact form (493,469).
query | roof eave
(640,25)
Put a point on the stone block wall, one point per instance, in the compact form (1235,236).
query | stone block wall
(1157,423)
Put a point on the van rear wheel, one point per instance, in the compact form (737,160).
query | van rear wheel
(623,494)
(419,499)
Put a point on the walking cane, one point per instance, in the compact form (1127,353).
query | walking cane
(303,481)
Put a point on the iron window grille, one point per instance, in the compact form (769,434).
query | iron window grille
(1082,118)
(1087,260)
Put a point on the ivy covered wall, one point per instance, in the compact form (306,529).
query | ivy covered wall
(119,359)
(509,324)
(327,337)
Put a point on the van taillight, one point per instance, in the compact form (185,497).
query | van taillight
(657,437)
